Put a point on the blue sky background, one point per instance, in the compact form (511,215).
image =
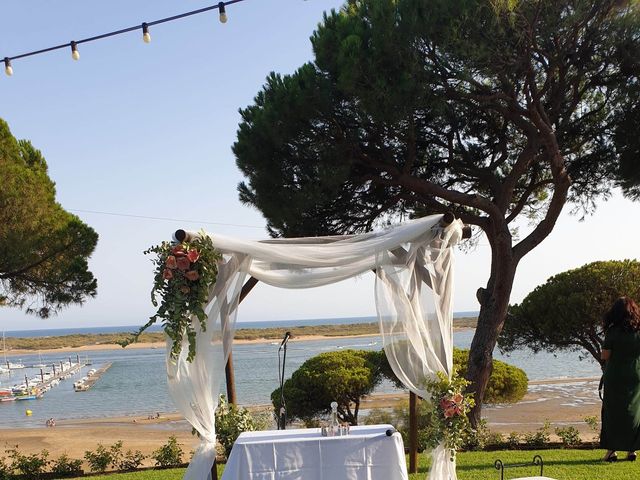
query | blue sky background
(147,130)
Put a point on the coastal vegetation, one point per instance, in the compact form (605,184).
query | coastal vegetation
(254,334)
(502,112)
(345,376)
(574,464)
(565,313)
(43,248)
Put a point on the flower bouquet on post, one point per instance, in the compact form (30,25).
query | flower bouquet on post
(183,274)
(448,411)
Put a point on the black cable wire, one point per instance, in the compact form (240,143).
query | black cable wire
(146,217)
(124,30)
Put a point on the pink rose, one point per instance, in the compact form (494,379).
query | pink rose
(183,263)
(192,275)
(171,262)
(184,289)
(178,251)
(449,412)
(457,398)
(193,256)
(167,274)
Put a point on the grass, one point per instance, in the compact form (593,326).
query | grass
(559,464)
(79,340)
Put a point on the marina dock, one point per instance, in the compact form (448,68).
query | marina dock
(50,376)
(90,380)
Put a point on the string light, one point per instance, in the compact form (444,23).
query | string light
(75,54)
(223,12)
(146,36)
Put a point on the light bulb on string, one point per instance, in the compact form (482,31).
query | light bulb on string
(223,12)
(75,54)
(146,36)
(8,69)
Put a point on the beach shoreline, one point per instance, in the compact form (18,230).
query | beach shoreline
(563,402)
(162,345)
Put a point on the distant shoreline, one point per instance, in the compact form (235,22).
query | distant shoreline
(83,343)
(162,345)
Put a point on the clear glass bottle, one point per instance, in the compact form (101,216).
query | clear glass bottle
(334,427)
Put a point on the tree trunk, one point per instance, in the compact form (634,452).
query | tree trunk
(494,302)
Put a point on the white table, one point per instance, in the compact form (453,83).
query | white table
(367,453)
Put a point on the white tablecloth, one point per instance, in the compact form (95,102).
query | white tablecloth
(367,453)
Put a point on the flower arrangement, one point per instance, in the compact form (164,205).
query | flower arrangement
(448,411)
(183,274)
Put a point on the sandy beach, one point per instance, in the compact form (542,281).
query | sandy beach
(134,346)
(562,402)
(162,345)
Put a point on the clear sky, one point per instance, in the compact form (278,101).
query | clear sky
(147,130)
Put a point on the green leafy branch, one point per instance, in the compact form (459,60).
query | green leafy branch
(183,274)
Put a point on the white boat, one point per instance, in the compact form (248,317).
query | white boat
(39,364)
(15,366)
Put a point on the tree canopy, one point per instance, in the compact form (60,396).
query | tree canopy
(343,376)
(43,249)
(565,313)
(497,110)
(347,375)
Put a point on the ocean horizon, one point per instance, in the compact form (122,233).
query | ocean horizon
(57,332)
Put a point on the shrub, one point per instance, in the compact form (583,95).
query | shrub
(116,454)
(231,421)
(569,436)
(29,466)
(168,455)
(594,426)
(131,460)
(539,437)
(481,437)
(513,440)
(100,459)
(66,467)
(125,461)
(507,384)
(399,418)
(343,376)
(5,470)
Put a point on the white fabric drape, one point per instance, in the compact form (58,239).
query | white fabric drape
(413,263)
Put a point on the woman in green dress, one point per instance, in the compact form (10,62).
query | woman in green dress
(621,404)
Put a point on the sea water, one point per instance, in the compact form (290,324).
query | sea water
(135,385)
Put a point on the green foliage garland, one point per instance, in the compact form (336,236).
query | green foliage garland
(183,274)
(449,408)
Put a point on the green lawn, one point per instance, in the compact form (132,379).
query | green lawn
(559,464)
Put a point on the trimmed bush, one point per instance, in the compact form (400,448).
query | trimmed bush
(507,384)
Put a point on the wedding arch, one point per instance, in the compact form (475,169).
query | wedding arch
(413,265)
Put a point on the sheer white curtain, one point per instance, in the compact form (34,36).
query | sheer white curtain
(413,265)
(414,303)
